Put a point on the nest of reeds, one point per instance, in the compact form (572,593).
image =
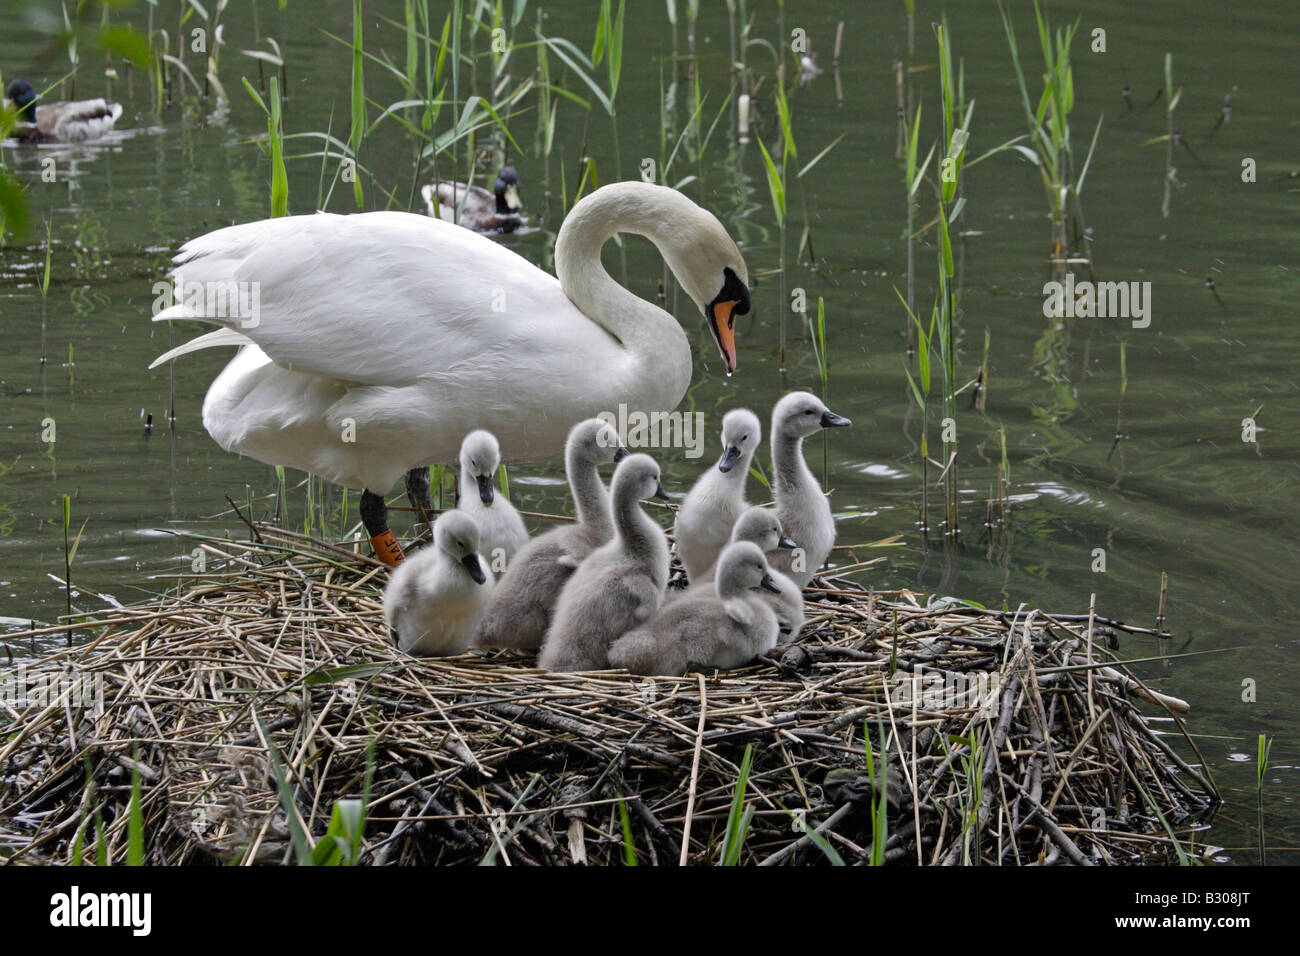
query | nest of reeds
(238,711)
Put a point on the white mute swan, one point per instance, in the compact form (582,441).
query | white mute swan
(379,339)
(620,584)
(474,207)
(66,122)
(434,601)
(725,629)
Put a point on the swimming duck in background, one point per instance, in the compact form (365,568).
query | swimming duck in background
(67,122)
(483,211)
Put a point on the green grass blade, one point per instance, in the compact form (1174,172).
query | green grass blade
(738,817)
(629,844)
(774,184)
(302,846)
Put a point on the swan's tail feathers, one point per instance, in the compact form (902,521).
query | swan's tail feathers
(209,341)
(191,312)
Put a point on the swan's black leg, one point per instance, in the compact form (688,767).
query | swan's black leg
(374,515)
(417,492)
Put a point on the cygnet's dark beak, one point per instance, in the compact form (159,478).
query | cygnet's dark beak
(768,584)
(621,454)
(474,568)
(729,459)
(831,420)
(786,542)
(485,488)
(660,493)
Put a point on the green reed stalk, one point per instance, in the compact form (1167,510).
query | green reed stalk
(135,816)
(70,553)
(739,816)
(609,46)
(275,139)
(629,843)
(457,15)
(880,796)
(280,493)
(67,555)
(279,175)
(971,797)
(45,288)
(1050,148)
(1263,747)
(921,392)
(911,180)
(823,369)
(954,139)
(1171,102)
(357,134)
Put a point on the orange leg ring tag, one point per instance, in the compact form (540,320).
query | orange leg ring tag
(387,549)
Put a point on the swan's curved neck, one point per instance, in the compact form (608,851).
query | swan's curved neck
(635,528)
(589,496)
(651,335)
(788,463)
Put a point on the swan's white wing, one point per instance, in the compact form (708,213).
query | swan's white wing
(383,299)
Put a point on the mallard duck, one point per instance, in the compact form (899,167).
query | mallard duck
(66,122)
(482,211)
(380,339)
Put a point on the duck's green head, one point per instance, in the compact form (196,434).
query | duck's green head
(21,94)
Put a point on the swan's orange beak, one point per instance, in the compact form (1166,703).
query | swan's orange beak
(722,323)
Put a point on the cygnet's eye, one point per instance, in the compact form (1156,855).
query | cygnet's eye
(744,438)
(809,411)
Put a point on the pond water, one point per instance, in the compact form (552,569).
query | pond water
(1180,493)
